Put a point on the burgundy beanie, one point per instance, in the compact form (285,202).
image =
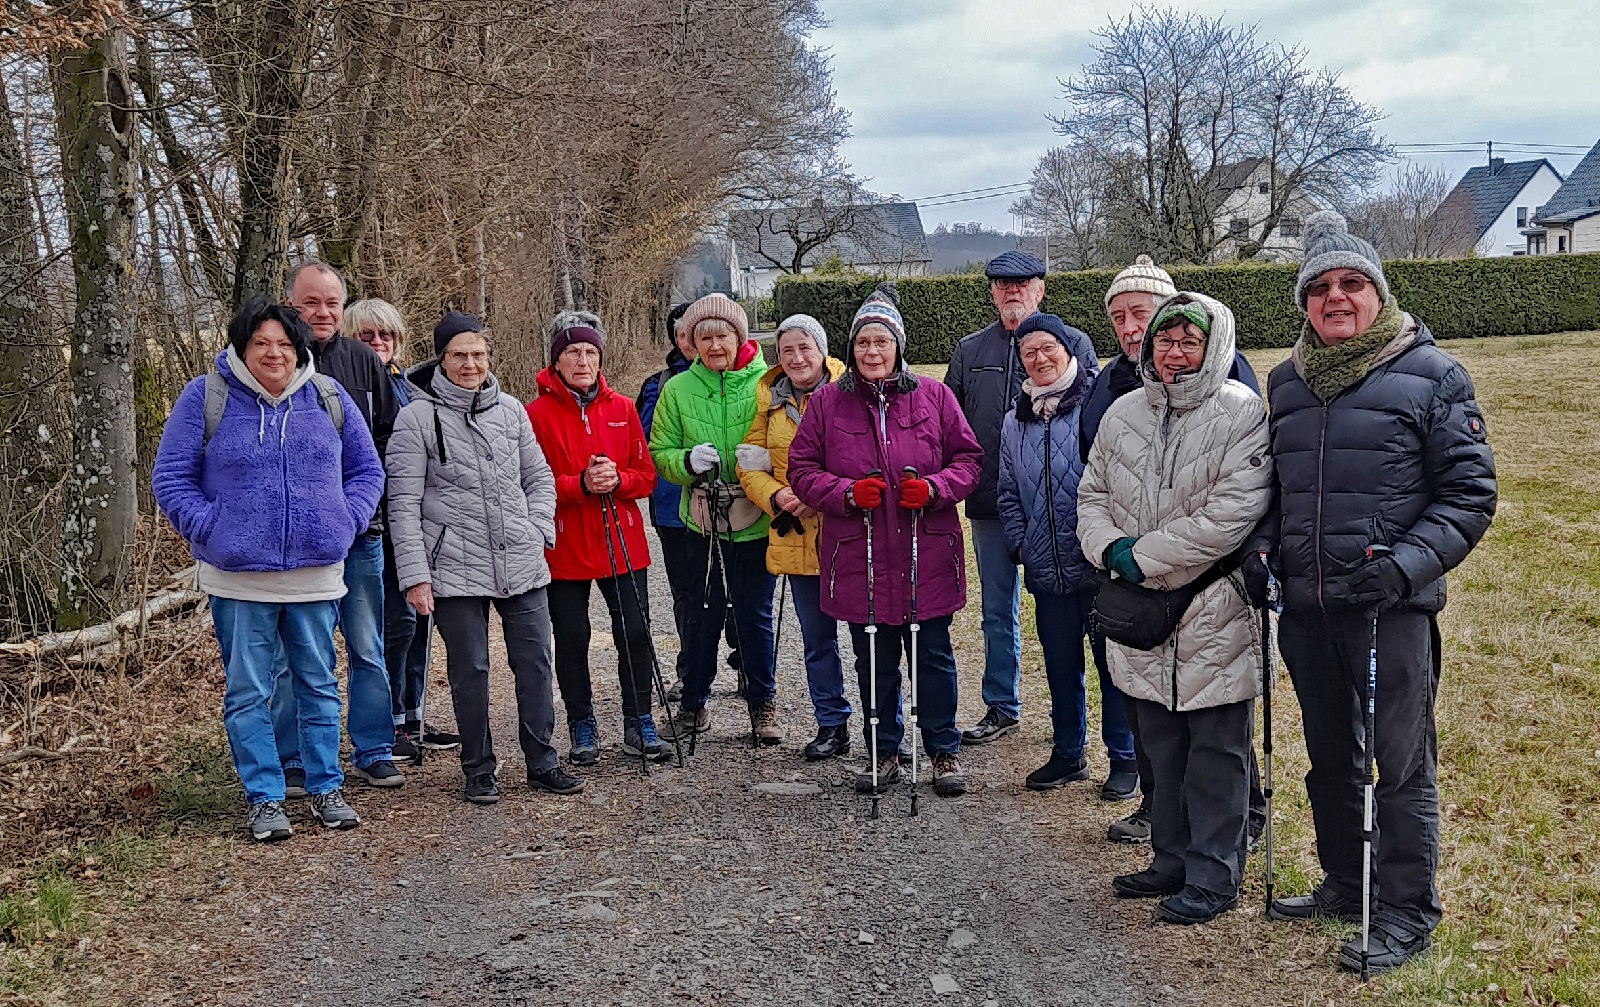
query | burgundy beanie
(576,334)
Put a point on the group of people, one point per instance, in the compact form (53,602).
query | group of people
(1150,505)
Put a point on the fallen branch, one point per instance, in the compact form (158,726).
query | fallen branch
(162,604)
(33,752)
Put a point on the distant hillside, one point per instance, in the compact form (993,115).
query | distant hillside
(956,252)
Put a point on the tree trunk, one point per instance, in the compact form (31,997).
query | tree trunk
(95,120)
(26,367)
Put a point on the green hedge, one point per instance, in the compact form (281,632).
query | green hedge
(1457,298)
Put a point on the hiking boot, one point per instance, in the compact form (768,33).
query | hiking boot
(406,748)
(1058,772)
(830,741)
(481,789)
(436,740)
(948,779)
(333,811)
(268,823)
(1133,828)
(993,725)
(685,724)
(379,774)
(585,735)
(555,780)
(1194,905)
(765,720)
(1122,783)
(639,737)
(734,660)
(1392,945)
(888,775)
(294,782)
(675,693)
(1321,904)
(1146,884)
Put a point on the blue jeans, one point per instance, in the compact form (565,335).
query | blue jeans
(1062,621)
(406,636)
(820,635)
(936,685)
(751,587)
(368,717)
(1002,602)
(253,637)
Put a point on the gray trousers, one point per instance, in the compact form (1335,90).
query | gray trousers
(525,620)
(1201,762)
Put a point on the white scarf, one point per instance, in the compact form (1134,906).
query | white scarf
(1046,399)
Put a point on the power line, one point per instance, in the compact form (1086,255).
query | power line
(973,199)
(963,192)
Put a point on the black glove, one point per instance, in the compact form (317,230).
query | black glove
(787,524)
(1257,580)
(1378,583)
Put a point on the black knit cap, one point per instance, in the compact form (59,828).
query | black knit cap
(258,310)
(452,325)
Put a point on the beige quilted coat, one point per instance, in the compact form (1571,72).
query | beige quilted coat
(1186,470)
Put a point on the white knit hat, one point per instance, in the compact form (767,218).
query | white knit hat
(1144,276)
(810,326)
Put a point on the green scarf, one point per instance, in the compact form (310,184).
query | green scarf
(1329,370)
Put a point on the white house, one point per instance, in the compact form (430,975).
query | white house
(1243,198)
(884,239)
(1570,220)
(1500,199)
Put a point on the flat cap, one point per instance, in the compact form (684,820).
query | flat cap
(1015,266)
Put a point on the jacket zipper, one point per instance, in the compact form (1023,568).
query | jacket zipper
(1174,642)
(1322,445)
(283,564)
(833,568)
(1050,502)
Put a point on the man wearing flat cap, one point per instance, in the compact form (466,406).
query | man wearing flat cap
(986,375)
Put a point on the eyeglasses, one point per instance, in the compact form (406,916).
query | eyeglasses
(1188,344)
(1009,284)
(1043,352)
(376,336)
(1350,284)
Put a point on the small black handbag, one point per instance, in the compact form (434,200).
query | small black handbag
(1145,617)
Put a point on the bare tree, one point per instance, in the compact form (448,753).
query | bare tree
(802,208)
(1067,204)
(1420,217)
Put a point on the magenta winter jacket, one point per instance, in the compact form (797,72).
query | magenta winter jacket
(847,431)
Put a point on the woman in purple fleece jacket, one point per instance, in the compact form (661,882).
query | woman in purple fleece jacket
(270,501)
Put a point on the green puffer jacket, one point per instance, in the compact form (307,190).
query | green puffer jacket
(699,406)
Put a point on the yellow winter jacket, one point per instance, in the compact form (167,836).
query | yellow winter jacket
(773,430)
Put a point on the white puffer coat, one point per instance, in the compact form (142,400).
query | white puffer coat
(1186,470)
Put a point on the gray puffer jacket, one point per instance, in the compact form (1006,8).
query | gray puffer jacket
(472,502)
(1184,469)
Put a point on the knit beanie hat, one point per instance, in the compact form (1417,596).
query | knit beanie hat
(570,327)
(1330,245)
(452,325)
(810,326)
(717,306)
(882,307)
(1182,311)
(1143,276)
(1041,322)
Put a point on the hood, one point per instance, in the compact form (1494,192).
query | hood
(433,385)
(231,367)
(748,359)
(1194,388)
(550,383)
(677,363)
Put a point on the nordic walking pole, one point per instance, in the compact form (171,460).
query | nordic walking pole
(910,471)
(626,657)
(1266,725)
(1369,812)
(777,629)
(717,492)
(872,658)
(638,602)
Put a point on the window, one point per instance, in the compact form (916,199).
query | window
(1263,187)
(1522,216)
(1239,228)
(1289,227)
(1561,242)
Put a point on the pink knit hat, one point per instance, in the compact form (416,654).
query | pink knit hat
(716,306)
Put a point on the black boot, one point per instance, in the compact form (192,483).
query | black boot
(1146,884)
(1058,772)
(1392,945)
(830,741)
(1321,904)
(1195,905)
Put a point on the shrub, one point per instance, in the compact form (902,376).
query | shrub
(1457,298)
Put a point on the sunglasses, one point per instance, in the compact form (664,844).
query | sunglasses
(376,336)
(1348,284)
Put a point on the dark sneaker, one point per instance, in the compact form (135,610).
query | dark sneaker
(294,782)
(1058,772)
(639,737)
(675,692)
(1122,783)
(948,779)
(585,735)
(379,774)
(1194,905)
(1321,904)
(556,781)
(1146,884)
(687,723)
(1392,944)
(1133,828)
(481,789)
(888,775)
(765,720)
(830,741)
(333,811)
(406,748)
(993,725)
(734,660)
(268,823)
(436,740)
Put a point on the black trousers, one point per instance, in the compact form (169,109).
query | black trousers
(569,618)
(1202,781)
(681,573)
(1327,657)
(525,620)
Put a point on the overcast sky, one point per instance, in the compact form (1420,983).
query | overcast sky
(950,95)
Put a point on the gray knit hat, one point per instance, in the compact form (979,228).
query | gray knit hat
(1143,276)
(1330,245)
(810,326)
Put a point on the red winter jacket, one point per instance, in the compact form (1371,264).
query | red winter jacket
(570,435)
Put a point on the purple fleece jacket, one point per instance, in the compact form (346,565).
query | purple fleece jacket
(277,488)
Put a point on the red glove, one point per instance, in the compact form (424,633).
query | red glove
(867,493)
(915,493)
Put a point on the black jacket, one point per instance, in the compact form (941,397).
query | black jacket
(353,364)
(986,375)
(1401,458)
(1120,377)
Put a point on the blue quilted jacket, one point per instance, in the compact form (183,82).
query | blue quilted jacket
(1039,472)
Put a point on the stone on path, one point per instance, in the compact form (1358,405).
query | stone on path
(944,983)
(961,938)
(862,937)
(789,788)
(599,913)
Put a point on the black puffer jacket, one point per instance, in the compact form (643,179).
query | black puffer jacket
(986,375)
(363,376)
(1401,458)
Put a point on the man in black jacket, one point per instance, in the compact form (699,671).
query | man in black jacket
(1385,482)
(317,291)
(986,375)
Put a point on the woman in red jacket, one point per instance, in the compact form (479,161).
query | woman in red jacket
(596,448)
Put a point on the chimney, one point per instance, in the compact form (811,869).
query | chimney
(1495,164)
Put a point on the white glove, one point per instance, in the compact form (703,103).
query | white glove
(703,458)
(753,458)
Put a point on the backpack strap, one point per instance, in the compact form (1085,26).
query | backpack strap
(328,398)
(438,432)
(216,400)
